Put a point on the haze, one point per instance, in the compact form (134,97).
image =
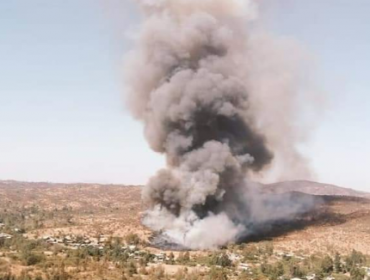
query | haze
(62,115)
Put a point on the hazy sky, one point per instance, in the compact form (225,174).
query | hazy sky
(62,115)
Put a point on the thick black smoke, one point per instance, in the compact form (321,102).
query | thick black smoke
(206,104)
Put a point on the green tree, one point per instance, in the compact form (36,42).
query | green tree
(295,270)
(30,259)
(279,269)
(132,239)
(224,260)
(171,258)
(337,263)
(357,273)
(217,274)
(327,265)
(355,259)
(184,258)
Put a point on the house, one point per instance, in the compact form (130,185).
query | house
(234,257)
(132,248)
(102,239)
(5,236)
(159,257)
(367,270)
(50,239)
(67,239)
(243,266)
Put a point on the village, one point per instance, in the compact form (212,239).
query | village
(236,262)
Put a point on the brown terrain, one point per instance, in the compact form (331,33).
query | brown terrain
(90,208)
(340,222)
(314,189)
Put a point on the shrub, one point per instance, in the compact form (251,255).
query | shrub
(32,259)
(132,239)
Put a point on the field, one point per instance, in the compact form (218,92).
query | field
(94,232)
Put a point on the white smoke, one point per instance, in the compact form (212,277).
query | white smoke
(221,101)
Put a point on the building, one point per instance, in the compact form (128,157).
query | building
(5,236)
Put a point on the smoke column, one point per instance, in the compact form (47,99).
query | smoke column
(222,101)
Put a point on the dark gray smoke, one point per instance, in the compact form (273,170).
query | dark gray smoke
(221,103)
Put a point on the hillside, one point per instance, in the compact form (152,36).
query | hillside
(78,196)
(341,219)
(75,208)
(84,230)
(314,188)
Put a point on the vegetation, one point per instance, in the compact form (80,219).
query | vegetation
(120,258)
(28,253)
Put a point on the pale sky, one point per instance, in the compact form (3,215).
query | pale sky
(62,115)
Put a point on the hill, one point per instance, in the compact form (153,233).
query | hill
(92,231)
(314,188)
(73,208)
(340,220)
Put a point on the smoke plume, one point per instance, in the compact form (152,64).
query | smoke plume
(222,100)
